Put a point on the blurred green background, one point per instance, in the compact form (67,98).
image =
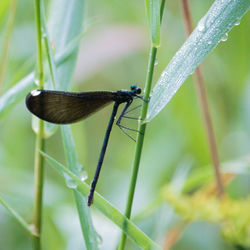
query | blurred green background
(113,55)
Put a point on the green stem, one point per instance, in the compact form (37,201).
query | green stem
(139,142)
(39,162)
(140,137)
(39,43)
(162,9)
(37,221)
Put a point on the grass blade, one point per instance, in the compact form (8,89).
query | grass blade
(219,20)
(88,230)
(18,92)
(64,25)
(49,51)
(153,8)
(18,218)
(105,207)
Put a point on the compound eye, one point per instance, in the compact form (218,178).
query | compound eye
(138,90)
(132,87)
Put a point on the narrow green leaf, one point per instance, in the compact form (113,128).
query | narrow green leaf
(106,208)
(18,218)
(49,128)
(220,19)
(49,51)
(83,210)
(65,23)
(18,92)
(153,8)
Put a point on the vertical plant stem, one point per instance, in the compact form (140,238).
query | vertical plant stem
(39,163)
(140,136)
(10,25)
(139,142)
(39,43)
(202,95)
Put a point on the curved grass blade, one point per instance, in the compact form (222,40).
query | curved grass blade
(105,207)
(18,218)
(219,20)
(88,230)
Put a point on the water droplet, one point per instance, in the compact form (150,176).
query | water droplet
(237,23)
(164,75)
(201,26)
(44,35)
(156,62)
(224,38)
(69,181)
(79,166)
(83,175)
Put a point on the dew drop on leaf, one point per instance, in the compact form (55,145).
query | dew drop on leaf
(224,38)
(70,183)
(237,23)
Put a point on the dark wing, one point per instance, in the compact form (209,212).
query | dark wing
(66,107)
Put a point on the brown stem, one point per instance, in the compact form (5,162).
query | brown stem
(202,95)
